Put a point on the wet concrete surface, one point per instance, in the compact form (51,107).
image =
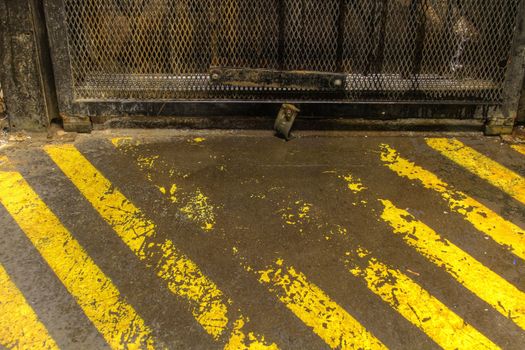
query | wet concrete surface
(236,203)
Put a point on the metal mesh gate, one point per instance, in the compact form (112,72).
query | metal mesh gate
(389,50)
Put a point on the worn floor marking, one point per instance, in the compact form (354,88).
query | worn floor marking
(314,308)
(415,304)
(487,285)
(482,166)
(182,275)
(482,218)
(196,206)
(519,148)
(20,327)
(100,300)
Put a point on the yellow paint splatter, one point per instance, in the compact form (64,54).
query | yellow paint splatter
(198,209)
(298,215)
(354,184)
(95,293)
(417,305)
(20,327)
(482,166)
(480,280)
(481,217)
(199,139)
(183,277)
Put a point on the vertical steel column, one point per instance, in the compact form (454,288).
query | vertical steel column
(26,72)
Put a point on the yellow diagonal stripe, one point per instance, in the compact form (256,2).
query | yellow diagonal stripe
(519,148)
(482,166)
(316,309)
(487,285)
(183,277)
(100,300)
(416,304)
(482,218)
(20,327)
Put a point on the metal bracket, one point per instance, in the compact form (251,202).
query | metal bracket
(276,79)
(285,120)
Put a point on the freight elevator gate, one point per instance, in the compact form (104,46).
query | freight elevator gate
(378,59)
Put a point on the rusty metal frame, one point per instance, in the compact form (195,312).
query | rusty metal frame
(78,114)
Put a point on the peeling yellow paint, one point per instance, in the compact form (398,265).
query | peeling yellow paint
(519,148)
(20,327)
(121,141)
(198,209)
(480,280)
(182,275)
(198,139)
(355,185)
(481,217)
(147,163)
(299,215)
(95,293)
(482,166)
(239,340)
(415,304)
(316,309)
(173,190)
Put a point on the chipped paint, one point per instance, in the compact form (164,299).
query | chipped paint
(519,148)
(316,309)
(481,166)
(94,292)
(416,304)
(479,279)
(20,327)
(481,217)
(183,277)
(298,214)
(240,341)
(199,209)
(146,163)
(354,184)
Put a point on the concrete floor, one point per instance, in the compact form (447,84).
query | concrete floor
(237,240)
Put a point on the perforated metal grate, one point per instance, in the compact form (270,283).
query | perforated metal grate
(390,49)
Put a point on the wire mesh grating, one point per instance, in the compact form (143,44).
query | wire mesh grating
(390,49)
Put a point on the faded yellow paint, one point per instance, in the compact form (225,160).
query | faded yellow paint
(314,308)
(183,276)
(415,304)
(482,166)
(198,209)
(20,327)
(199,139)
(239,340)
(298,215)
(98,297)
(482,218)
(519,148)
(353,184)
(480,280)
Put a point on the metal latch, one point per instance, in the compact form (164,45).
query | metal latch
(285,119)
(276,79)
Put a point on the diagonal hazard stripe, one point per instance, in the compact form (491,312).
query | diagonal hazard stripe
(100,300)
(400,292)
(307,301)
(183,277)
(416,304)
(315,309)
(482,166)
(482,218)
(19,325)
(519,148)
(482,281)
